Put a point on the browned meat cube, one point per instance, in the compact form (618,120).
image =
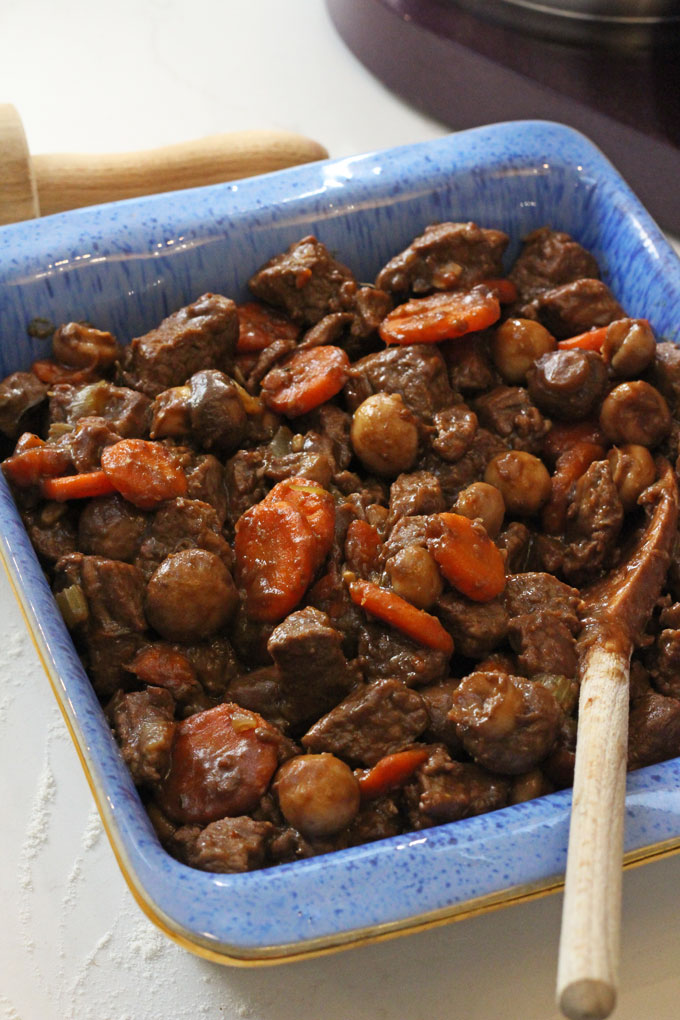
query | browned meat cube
(417,373)
(387,653)
(653,730)
(143,722)
(202,335)
(444,790)
(509,412)
(20,394)
(446,256)
(227,846)
(550,258)
(477,628)
(373,721)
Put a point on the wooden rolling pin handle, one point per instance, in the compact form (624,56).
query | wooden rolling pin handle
(45,184)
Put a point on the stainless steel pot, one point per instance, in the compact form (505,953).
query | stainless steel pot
(617,23)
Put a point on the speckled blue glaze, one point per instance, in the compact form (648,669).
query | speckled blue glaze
(125,266)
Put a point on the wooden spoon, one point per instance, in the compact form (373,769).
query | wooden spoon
(33,186)
(617,609)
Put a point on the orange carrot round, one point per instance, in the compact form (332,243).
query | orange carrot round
(276,552)
(82,486)
(424,628)
(467,557)
(143,472)
(33,463)
(441,316)
(315,504)
(260,326)
(391,772)
(562,436)
(592,340)
(307,379)
(504,289)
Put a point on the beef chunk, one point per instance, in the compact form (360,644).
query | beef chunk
(506,723)
(110,526)
(594,520)
(470,468)
(227,846)
(114,592)
(444,790)
(214,662)
(665,373)
(544,623)
(663,662)
(313,669)
(143,722)
(653,730)
(181,524)
(456,428)
(305,281)
(377,819)
(123,408)
(445,257)
(205,477)
(331,422)
(244,483)
(160,665)
(108,659)
(311,457)
(388,653)
(576,307)
(21,393)
(441,729)
(515,541)
(88,439)
(200,336)
(509,413)
(52,529)
(416,372)
(531,592)
(414,495)
(470,365)
(373,721)
(260,691)
(548,259)
(477,628)
(406,531)
(330,595)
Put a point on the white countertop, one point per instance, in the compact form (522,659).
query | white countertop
(73,944)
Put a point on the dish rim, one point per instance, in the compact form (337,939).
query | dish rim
(272,938)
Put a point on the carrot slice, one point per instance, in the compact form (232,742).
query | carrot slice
(362,547)
(315,504)
(143,472)
(467,557)
(222,762)
(34,463)
(260,326)
(275,551)
(504,289)
(590,341)
(50,371)
(305,380)
(441,316)
(83,486)
(570,466)
(563,436)
(397,612)
(390,772)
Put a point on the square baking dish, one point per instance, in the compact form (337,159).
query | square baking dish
(127,265)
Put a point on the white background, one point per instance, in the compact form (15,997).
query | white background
(73,944)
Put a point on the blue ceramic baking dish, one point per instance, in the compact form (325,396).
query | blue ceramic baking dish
(127,265)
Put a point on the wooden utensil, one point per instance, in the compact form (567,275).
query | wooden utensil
(617,610)
(33,186)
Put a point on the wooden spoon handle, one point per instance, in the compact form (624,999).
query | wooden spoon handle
(589,945)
